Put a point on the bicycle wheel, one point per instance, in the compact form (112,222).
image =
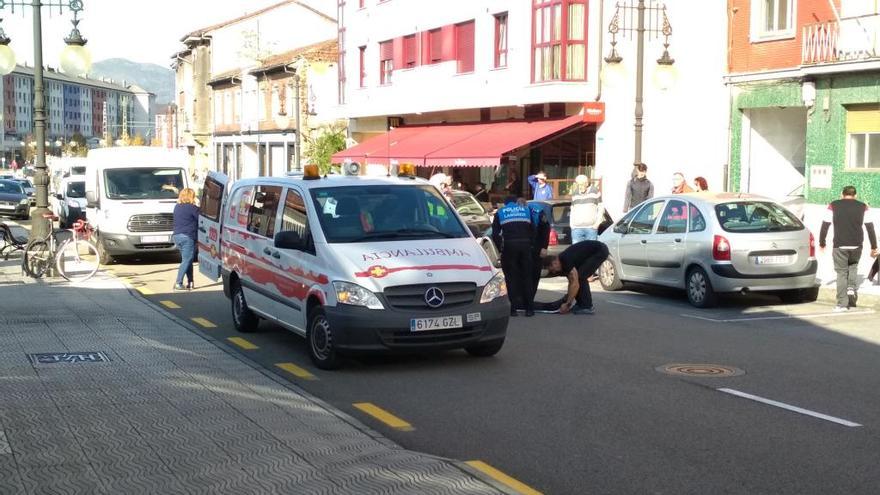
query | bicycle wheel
(77,260)
(37,258)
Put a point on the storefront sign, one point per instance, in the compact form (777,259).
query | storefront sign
(594,111)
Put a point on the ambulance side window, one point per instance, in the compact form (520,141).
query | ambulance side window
(264,210)
(296,218)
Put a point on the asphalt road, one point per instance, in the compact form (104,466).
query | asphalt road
(575,404)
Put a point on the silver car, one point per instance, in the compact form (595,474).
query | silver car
(711,243)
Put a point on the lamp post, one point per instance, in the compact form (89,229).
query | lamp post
(75,60)
(664,75)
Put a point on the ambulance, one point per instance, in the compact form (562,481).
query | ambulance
(352,263)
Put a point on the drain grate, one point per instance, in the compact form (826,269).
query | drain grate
(68,357)
(700,370)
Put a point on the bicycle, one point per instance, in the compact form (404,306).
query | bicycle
(76,259)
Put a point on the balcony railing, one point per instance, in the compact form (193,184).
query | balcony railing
(853,38)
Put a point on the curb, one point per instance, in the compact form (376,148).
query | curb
(280,380)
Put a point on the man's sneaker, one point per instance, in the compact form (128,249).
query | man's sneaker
(530,312)
(840,309)
(179,287)
(583,311)
(514,312)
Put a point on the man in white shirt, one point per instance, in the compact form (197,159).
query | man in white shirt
(587,211)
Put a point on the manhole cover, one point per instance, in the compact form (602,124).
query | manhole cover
(701,370)
(68,357)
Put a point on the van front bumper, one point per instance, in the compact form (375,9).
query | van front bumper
(358,329)
(131,244)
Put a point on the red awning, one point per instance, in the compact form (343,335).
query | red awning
(455,145)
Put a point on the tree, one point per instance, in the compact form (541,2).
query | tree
(329,140)
(76,146)
(137,140)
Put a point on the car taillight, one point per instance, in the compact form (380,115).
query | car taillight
(720,249)
(554,238)
(812,246)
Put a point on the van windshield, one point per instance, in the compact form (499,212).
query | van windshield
(76,189)
(143,183)
(756,216)
(385,212)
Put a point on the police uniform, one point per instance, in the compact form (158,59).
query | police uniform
(514,232)
(541,241)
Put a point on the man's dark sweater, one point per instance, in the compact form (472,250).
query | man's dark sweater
(637,190)
(848,215)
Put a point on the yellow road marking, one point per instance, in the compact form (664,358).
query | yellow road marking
(145,291)
(203,322)
(296,371)
(169,304)
(497,475)
(244,344)
(384,416)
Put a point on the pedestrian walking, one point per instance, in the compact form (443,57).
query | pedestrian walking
(638,189)
(541,189)
(679,184)
(700,184)
(587,211)
(848,215)
(577,263)
(186,223)
(513,232)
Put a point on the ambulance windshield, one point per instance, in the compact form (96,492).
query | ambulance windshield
(377,213)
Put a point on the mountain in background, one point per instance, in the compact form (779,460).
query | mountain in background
(154,78)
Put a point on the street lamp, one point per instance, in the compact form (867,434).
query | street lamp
(665,73)
(75,61)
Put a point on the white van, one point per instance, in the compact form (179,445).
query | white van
(353,264)
(130,198)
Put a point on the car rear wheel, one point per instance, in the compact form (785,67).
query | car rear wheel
(243,318)
(322,345)
(798,296)
(699,289)
(609,277)
(485,350)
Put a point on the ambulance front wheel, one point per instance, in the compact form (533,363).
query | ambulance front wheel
(242,317)
(322,345)
(485,350)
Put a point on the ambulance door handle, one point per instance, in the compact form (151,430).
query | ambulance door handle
(203,230)
(276,255)
(267,250)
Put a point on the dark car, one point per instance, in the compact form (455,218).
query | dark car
(29,189)
(558,213)
(472,211)
(13,200)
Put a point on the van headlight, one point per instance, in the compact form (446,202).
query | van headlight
(496,288)
(355,295)
(24,201)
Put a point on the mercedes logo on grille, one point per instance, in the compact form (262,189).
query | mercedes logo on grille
(434,297)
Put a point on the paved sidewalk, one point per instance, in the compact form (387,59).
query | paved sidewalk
(169,411)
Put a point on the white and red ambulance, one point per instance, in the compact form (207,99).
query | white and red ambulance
(352,263)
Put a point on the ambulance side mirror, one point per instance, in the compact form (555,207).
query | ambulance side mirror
(291,239)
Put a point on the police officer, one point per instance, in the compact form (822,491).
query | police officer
(540,243)
(514,233)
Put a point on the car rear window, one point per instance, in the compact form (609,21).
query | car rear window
(756,216)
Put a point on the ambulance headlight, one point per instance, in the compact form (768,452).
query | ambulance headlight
(355,295)
(496,288)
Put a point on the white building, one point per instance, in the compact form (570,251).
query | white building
(490,66)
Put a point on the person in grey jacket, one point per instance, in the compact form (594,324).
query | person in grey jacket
(639,188)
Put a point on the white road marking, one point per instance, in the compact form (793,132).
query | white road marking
(626,304)
(788,407)
(780,317)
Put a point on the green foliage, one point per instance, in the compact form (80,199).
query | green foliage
(76,146)
(321,148)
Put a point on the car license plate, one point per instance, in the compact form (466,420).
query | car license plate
(439,323)
(154,238)
(771,260)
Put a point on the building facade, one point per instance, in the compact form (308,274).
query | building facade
(74,105)
(484,65)
(805,96)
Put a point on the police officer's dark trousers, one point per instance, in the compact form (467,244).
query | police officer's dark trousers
(516,262)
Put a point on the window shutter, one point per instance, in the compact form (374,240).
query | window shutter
(409,51)
(448,43)
(464,41)
(398,54)
(386,50)
(863,118)
(435,42)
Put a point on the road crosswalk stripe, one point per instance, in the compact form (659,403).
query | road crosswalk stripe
(244,344)
(384,416)
(499,476)
(203,322)
(169,304)
(296,371)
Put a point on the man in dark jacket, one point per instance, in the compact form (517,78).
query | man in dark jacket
(540,243)
(577,263)
(639,188)
(514,233)
(848,215)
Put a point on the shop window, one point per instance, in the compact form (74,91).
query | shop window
(464,47)
(501,40)
(559,47)
(772,19)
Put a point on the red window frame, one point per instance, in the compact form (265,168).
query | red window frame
(386,61)
(410,54)
(464,47)
(501,30)
(362,59)
(556,45)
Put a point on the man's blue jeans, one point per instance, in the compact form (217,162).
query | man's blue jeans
(187,247)
(584,234)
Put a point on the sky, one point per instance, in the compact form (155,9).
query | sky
(139,30)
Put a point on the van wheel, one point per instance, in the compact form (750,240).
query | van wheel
(243,318)
(322,347)
(797,296)
(608,276)
(485,350)
(104,257)
(699,289)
